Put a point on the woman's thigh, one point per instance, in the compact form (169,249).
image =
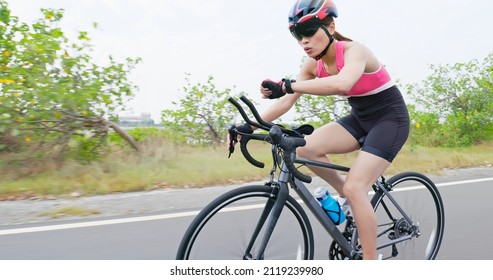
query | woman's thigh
(331,138)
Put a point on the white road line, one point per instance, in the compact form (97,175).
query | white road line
(464,182)
(174,215)
(97,223)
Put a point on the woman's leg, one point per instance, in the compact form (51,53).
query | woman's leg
(366,169)
(364,172)
(331,138)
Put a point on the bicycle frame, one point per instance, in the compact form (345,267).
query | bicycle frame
(399,208)
(292,177)
(334,231)
(314,205)
(274,208)
(284,180)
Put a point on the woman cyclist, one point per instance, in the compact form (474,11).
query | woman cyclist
(378,124)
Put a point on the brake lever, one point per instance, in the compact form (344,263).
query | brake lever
(232,140)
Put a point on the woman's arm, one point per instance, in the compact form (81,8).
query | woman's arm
(355,61)
(285,103)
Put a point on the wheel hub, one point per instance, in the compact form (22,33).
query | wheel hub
(401,228)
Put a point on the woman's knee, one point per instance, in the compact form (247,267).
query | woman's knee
(304,152)
(355,190)
(310,152)
(313,149)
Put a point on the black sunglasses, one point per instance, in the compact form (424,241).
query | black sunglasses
(305,29)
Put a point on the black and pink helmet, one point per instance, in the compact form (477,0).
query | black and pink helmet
(304,10)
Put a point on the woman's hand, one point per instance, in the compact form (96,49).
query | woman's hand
(271,89)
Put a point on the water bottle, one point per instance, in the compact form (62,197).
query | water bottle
(330,205)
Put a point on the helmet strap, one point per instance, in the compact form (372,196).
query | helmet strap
(331,40)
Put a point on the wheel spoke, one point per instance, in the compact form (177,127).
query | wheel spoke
(223,229)
(421,236)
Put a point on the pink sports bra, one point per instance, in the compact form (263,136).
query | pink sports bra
(369,83)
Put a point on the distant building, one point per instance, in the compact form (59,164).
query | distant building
(143,120)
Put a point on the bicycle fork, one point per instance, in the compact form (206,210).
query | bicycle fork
(272,211)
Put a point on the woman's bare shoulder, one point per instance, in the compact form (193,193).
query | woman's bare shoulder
(355,45)
(308,69)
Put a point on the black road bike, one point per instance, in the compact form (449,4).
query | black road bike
(267,222)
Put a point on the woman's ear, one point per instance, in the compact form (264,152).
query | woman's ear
(332,28)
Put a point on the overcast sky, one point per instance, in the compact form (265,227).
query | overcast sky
(242,42)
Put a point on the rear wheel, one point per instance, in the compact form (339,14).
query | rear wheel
(418,233)
(225,228)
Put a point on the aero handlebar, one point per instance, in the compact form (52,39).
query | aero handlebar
(288,140)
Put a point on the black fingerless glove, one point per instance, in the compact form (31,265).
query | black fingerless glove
(276,88)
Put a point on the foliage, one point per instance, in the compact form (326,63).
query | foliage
(454,105)
(202,116)
(164,165)
(53,98)
(139,134)
(319,110)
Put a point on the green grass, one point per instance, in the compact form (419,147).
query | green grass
(165,165)
(435,160)
(69,212)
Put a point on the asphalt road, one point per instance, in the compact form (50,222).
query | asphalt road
(146,226)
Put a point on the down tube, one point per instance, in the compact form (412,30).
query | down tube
(322,217)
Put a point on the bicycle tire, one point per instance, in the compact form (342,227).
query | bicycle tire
(421,201)
(219,232)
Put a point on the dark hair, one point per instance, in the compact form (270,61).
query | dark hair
(338,36)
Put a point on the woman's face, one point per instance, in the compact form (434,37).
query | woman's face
(312,38)
(315,44)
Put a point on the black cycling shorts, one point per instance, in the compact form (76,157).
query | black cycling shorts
(379,122)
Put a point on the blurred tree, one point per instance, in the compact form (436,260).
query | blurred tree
(319,110)
(53,98)
(202,116)
(454,105)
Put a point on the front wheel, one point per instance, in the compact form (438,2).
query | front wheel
(225,229)
(410,219)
